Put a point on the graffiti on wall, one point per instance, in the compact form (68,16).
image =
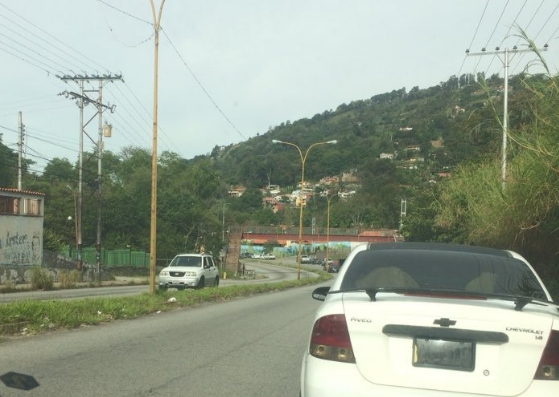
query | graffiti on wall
(21,245)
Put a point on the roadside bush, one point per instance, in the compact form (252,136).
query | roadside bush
(41,279)
(68,279)
(8,286)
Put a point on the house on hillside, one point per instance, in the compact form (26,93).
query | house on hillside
(413,148)
(329,180)
(236,191)
(349,177)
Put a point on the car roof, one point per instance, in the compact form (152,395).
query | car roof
(439,247)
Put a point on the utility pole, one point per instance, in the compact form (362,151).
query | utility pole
(83,99)
(153,219)
(506,52)
(21,130)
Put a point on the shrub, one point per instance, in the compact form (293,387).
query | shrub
(8,286)
(68,279)
(41,279)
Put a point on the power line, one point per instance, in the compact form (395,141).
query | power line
(547,21)
(167,141)
(552,34)
(57,144)
(491,36)
(513,23)
(473,38)
(202,86)
(125,12)
(525,29)
(36,62)
(127,111)
(24,52)
(478,24)
(56,39)
(33,35)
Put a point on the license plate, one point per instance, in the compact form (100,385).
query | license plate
(445,354)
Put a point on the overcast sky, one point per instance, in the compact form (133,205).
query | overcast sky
(231,69)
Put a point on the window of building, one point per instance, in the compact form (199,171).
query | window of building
(31,206)
(9,205)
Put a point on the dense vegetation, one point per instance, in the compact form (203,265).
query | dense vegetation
(454,128)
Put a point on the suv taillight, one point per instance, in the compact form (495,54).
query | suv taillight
(548,368)
(330,339)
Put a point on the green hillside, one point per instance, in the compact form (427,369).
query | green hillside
(450,123)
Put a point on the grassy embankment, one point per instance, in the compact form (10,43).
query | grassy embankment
(33,317)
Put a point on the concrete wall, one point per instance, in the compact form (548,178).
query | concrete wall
(21,240)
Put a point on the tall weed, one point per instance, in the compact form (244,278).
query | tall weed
(41,279)
(68,279)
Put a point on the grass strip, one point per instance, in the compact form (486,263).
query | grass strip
(30,317)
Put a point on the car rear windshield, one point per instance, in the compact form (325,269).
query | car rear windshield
(192,261)
(442,270)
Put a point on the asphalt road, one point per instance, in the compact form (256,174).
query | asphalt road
(245,347)
(266,273)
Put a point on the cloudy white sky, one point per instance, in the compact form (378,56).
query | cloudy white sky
(231,69)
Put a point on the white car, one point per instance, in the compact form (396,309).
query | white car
(189,271)
(421,319)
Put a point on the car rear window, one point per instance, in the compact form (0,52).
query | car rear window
(191,261)
(442,270)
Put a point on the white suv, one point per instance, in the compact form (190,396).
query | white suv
(189,271)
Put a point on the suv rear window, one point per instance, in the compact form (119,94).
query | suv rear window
(191,261)
(442,270)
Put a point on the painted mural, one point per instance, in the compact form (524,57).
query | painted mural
(21,241)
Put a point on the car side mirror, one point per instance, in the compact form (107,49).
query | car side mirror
(320,293)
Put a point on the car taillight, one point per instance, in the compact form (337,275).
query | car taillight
(330,339)
(549,364)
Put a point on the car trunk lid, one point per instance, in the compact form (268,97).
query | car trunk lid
(458,345)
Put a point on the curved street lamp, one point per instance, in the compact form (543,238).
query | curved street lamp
(303,159)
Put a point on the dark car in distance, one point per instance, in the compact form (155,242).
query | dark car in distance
(334,266)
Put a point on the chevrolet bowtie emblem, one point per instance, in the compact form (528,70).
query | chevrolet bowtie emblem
(444,322)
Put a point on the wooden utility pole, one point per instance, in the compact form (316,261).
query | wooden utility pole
(19,150)
(153,227)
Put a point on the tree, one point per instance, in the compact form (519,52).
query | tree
(250,201)
(59,169)
(8,166)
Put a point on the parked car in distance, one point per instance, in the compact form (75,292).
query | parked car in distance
(305,259)
(268,256)
(245,255)
(189,271)
(425,319)
(327,264)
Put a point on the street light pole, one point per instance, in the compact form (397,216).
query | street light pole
(303,159)
(78,253)
(327,264)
